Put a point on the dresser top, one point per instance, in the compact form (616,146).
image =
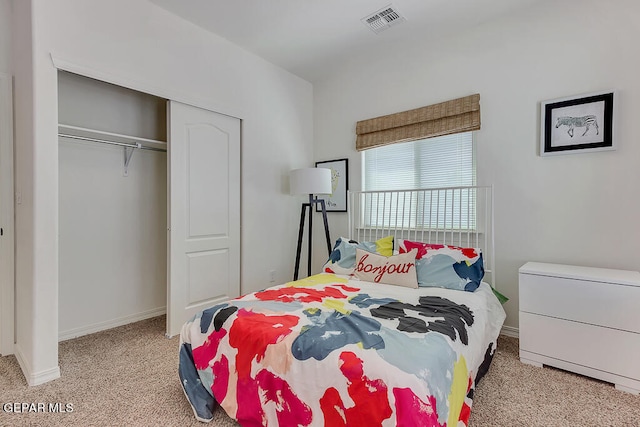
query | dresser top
(593,274)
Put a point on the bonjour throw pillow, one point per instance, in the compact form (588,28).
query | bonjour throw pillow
(343,257)
(394,270)
(446,266)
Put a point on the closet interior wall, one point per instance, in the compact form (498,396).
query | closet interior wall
(112,222)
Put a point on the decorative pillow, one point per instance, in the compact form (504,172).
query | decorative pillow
(394,270)
(445,266)
(384,246)
(343,257)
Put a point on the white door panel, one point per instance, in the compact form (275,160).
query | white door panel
(207,217)
(204,211)
(207,274)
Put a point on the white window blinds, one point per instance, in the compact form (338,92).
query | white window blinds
(445,161)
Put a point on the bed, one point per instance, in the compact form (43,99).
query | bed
(397,329)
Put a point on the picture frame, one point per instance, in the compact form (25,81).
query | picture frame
(577,124)
(336,201)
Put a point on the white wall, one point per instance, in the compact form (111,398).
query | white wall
(137,42)
(580,209)
(112,244)
(100,106)
(36,212)
(6,183)
(5,36)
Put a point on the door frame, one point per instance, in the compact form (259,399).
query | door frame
(7,248)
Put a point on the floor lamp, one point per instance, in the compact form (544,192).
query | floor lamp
(311,181)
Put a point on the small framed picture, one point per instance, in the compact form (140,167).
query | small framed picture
(337,200)
(577,124)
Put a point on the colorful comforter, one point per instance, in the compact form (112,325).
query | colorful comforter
(336,352)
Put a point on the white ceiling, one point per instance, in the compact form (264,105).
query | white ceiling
(309,37)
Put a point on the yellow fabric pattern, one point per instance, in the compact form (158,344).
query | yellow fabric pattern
(336,305)
(458,391)
(384,246)
(317,279)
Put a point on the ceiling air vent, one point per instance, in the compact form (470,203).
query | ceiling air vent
(383,19)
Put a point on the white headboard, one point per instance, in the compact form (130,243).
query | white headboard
(458,216)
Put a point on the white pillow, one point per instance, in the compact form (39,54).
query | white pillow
(397,270)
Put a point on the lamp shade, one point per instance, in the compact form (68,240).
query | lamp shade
(310,181)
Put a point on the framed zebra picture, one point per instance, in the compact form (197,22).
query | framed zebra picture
(577,124)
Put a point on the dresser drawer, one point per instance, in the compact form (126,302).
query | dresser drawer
(603,349)
(597,303)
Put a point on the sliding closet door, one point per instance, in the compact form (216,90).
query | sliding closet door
(204,211)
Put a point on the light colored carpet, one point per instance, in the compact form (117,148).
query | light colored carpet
(128,376)
(514,394)
(125,376)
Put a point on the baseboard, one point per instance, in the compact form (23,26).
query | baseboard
(510,331)
(35,378)
(114,323)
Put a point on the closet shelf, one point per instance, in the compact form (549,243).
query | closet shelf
(85,134)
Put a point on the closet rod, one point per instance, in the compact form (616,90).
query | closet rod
(104,141)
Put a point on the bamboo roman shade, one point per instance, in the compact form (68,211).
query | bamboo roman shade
(445,118)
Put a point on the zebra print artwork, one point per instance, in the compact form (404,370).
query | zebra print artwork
(578,122)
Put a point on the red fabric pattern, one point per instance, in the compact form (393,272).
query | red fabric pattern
(371,404)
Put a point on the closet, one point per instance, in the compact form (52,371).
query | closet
(143,229)
(112,205)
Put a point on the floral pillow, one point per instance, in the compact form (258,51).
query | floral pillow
(394,270)
(343,257)
(444,266)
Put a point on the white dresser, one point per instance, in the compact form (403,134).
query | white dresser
(582,319)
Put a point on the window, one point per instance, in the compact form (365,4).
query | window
(439,162)
(445,161)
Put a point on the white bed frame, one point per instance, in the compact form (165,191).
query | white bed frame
(458,216)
